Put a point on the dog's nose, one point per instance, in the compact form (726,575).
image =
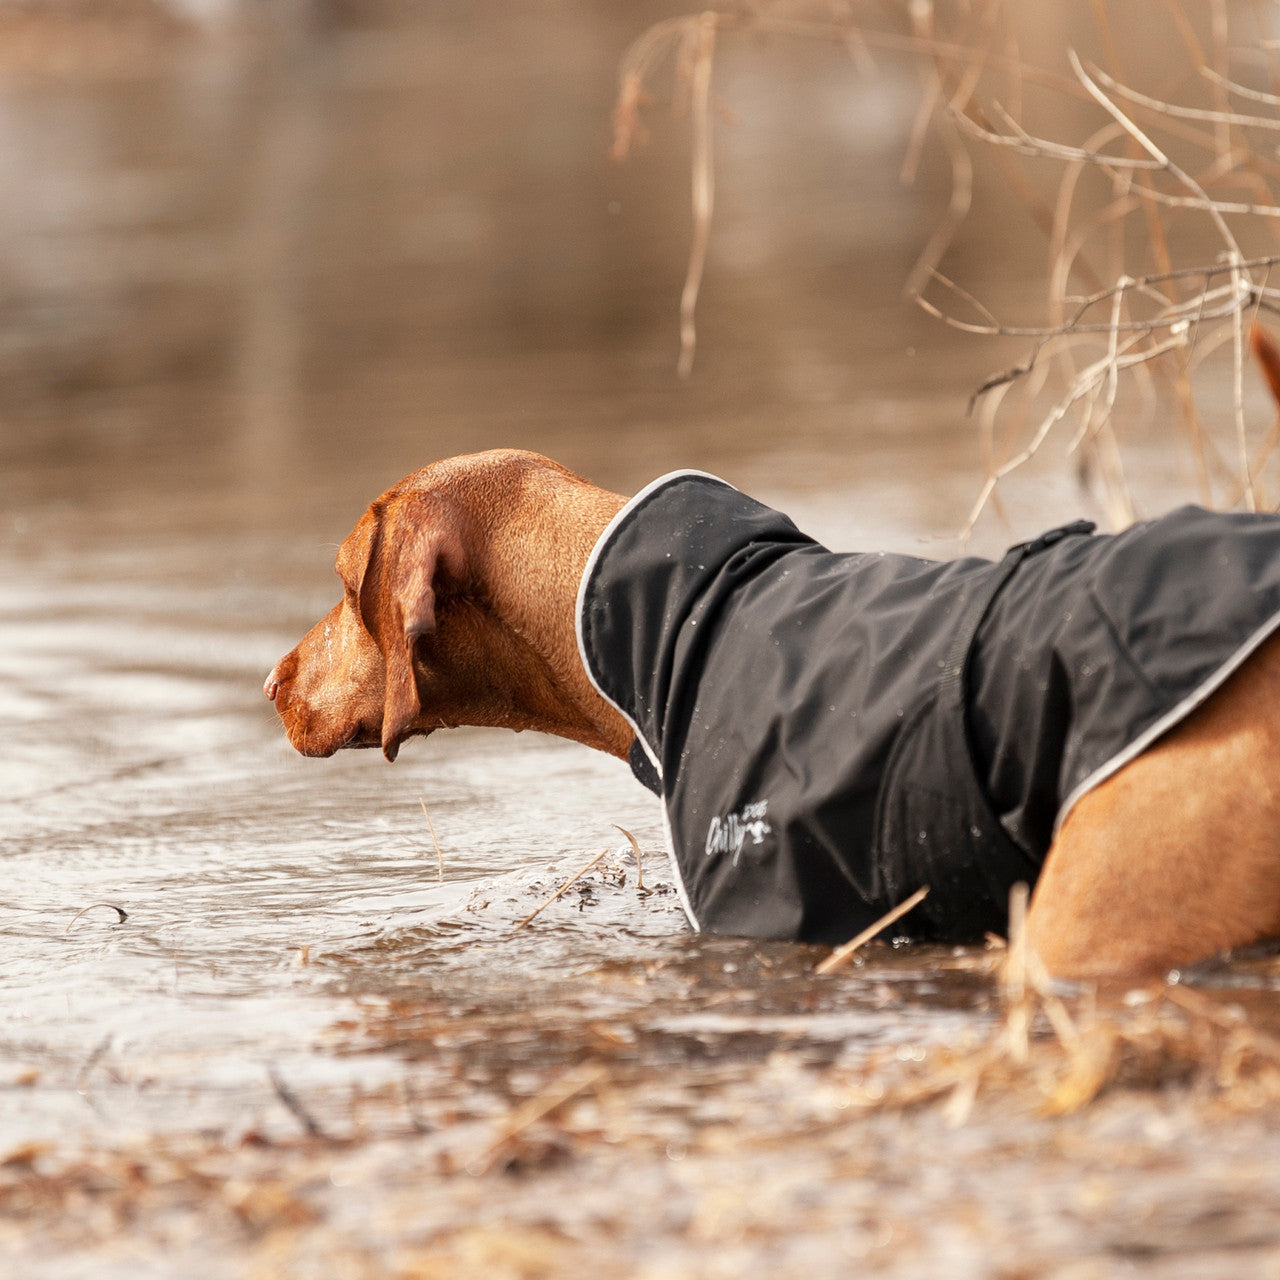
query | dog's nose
(276,685)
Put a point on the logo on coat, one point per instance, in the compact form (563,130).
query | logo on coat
(729,835)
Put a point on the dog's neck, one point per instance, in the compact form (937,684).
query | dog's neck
(526,555)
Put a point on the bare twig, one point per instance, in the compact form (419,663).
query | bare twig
(293,1105)
(1156,157)
(1152,150)
(957,211)
(1214,115)
(842,954)
(703,44)
(1014,979)
(95,1056)
(1237,392)
(110,906)
(1084,383)
(635,848)
(567,884)
(1028,145)
(567,1087)
(1243,91)
(434,841)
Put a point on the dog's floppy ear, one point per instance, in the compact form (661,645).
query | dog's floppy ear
(415,542)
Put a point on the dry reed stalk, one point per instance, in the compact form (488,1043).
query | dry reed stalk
(567,1087)
(701,42)
(1124,210)
(1014,987)
(1201,1006)
(961,199)
(842,954)
(95,1056)
(434,841)
(690,42)
(110,906)
(293,1104)
(1043,1058)
(568,884)
(635,849)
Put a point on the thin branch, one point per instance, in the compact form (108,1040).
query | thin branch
(431,826)
(110,906)
(842,954)
(1185,113)
(565,1089)
(635,849)
(1027,145)
(703,190)
(1128,324)
(1269,300)
(568,884)
(1151,149)
(957,210)
(1231,86)
(1080,387)
(293,1104)
(1209,204)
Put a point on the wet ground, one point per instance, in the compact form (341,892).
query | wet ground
(250,1023)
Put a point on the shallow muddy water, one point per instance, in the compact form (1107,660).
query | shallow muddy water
(247,1024)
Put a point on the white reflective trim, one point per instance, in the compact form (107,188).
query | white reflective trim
(1200,694)
(601,542)
(609,530)
(681,891)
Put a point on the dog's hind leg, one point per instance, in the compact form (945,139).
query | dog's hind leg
(1177,856)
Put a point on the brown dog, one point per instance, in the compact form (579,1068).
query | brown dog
(459,608)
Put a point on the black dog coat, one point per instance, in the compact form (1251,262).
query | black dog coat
(829,732)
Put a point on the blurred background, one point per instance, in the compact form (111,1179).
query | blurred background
(258,260)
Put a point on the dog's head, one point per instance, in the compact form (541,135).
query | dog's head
(458,588)
(351,681)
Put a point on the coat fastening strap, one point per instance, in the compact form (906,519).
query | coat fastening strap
(952,680)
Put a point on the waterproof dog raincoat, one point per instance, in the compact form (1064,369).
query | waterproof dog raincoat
(829,732)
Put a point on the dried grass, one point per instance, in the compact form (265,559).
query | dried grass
(1054,1054)
(1045,1058)
(641,890)
(1049,1049)
(1152,220)
(844,953)
(568,884)
(431,826)
(121,914)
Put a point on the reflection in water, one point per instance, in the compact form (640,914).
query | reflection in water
(409,233)
(247,282)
